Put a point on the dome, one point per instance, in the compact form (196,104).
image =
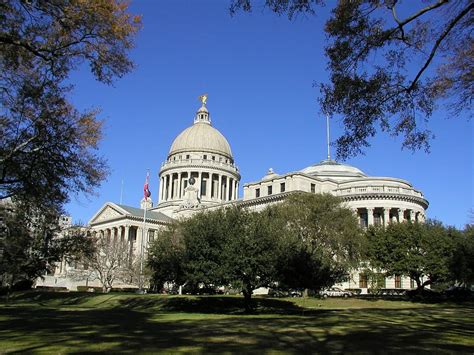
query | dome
(202,137)
(334,170)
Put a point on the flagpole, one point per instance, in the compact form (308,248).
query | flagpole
(143,244)
(146,193)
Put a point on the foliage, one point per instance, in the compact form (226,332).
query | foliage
(421,251)
(390,63)
(309,241)
(250,252)
(462,262)
(48,148)
(30,245)
(320,242)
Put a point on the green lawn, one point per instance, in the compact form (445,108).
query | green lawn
(77,323)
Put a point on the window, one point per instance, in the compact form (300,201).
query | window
(213,157)
(363,280)
(398,281)
(282,187)
(313,188)
(412,283)
(204,157)
(187,156)
(378,219)
(257,192)
(269,190)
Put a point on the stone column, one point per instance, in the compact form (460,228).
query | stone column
(219,188)
(230,188)
(208,186)
(199,183)
(180,177)
(412,215)
(160,195)
(386,216)
(127,233)
(400,215)
(370,217)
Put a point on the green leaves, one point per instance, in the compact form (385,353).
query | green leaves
(309,241)
(422,251)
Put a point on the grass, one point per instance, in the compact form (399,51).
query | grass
(77,323)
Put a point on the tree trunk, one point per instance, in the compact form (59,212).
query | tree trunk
(247,291)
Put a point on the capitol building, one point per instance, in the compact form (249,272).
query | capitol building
(200,173)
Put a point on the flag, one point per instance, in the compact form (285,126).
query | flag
(146,190)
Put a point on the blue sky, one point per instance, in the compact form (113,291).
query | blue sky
(258,70)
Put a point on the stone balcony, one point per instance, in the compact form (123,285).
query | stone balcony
(204,163)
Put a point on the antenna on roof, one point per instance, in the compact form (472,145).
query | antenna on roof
(327,135)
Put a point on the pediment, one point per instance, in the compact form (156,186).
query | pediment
(106,213)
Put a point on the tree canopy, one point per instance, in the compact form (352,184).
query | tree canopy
(307,242)
(389,63)
(48,148)
(320,241)
(421,251)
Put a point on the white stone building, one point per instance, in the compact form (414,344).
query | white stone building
(200,172)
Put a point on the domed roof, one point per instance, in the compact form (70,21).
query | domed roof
(334,170)
(201,136)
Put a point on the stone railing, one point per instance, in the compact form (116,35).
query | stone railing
(204,162)
(370,189)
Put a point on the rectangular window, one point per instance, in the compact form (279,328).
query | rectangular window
(363,280)
(269,190)
(257,192)
(204,157)
(377,219)
(398,281)
(412,283)
(187,156)
(363,222)
(313,188)
(282,187)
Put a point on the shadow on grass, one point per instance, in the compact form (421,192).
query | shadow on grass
(212,305)
(137,327)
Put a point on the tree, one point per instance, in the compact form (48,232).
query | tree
(462,262)
(250,251)
(30,247)
(320,241)
(389,63)
(110,261)
(166,257)
(421,251)
(225,247)
(48,148)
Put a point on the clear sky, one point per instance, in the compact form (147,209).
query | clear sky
(258,70)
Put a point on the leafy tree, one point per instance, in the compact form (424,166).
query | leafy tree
(462,262)
(30,247)
(166,257)
(389,64)
(421,251)
(229,246)
(249,251)
(48,148)
(320,241)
